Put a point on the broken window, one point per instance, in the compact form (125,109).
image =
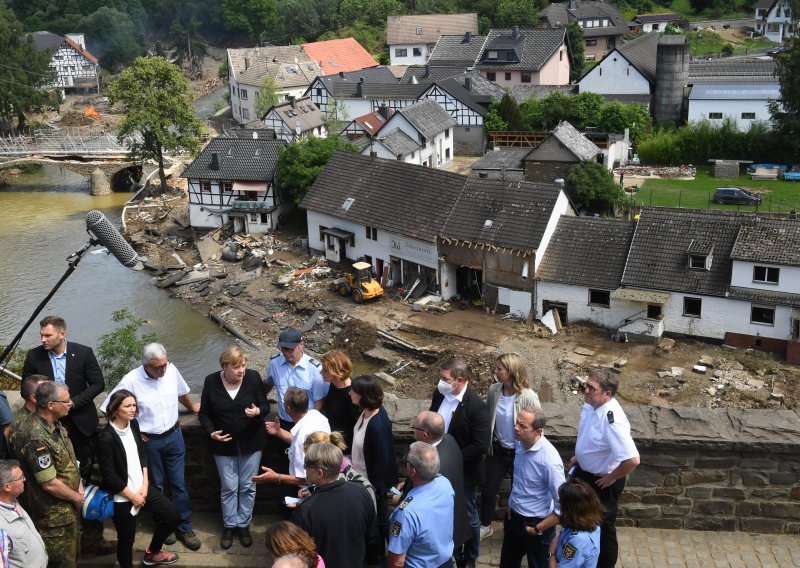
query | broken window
(692,307)
(600,298)
(654,311)
(764,315)
(766,274)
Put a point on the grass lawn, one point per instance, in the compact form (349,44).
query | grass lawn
(778,196)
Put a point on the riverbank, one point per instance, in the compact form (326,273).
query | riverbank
(269,282)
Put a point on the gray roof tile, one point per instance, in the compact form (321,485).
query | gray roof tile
(565,143)
(534,47)
(642,52)
(457,50)
(428,117)
(244,159)
(399,143)
(403,29)
(559,13)
(502,158)
(522,93)
(289,65)
(587,251)
(774,241)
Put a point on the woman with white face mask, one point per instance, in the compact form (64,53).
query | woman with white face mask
(506,397)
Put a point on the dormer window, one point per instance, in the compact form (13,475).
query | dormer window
(419,31)
(491,55)
(699,255)
(698,261)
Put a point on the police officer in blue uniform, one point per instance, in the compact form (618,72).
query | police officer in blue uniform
(578,545)
(421,528)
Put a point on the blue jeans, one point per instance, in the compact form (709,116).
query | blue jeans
(471,548)
(165,457)
(237,491)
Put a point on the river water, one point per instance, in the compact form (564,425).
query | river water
(42,222)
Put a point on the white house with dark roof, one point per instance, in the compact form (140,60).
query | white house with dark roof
(602,24)
(296,119)
(628,69)
(348,95)
(744,103)
(654,22)
(430,126)
(411,39)
(395,145)
(774,20)
(233,180)
(77,70)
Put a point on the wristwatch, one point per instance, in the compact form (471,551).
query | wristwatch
(549,555)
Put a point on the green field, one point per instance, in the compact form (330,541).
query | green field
(778,196)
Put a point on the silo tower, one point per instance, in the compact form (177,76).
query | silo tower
(672,70)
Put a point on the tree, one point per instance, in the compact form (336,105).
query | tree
(517,13)
(119,351)
(267,96)
(300,163)
(159,116)
(494,121)
(786,111)
(592,186)
(369,12)
(114,37)
(255,18)
(575,50)
(617,116)
(509,110)
(190,47)
(25,72)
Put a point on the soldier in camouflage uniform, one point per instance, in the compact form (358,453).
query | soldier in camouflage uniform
(54,489)
(28,392)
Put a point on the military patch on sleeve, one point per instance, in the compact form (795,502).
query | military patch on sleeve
(610,416)
(44,461)
(569,551)
(396,526)
(42,457)
(406,502)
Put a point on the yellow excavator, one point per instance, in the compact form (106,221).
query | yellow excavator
(360,284)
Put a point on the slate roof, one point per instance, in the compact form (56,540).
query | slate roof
(453,80)
(403,29)
(474,101)
(587,251)
(45,41)
(402,198)
(559,13)
(519,212)
(506,158)
(244,159)
(642,53)
(381,74)
(348,88)
(736,92)
(399,143)
(303,110)
(428,117)
(521,93)
(457,51)
(564,138)
(765,5)
(287,64)
(765,296)
(732,71)
(773,241)
(658,252)
(337,55)
(534,47)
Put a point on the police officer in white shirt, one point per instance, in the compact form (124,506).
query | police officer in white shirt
(605,454)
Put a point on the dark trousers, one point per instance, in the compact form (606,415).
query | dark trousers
(517,543)
(162,509)
(609,549)
(497,467)
(83,446)
(382,506)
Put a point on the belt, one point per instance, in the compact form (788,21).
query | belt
(177,426)
(498,448)
(515,515)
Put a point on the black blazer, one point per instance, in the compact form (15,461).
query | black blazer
(470,427)
(379,452)
(83,377)
(218,411)
(110,454)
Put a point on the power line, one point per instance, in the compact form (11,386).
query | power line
(22,84)
(24,71)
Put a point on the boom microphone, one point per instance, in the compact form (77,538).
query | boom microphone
(101,229)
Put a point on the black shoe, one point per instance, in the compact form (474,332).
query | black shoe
(170,539)
(189,539)
(227,538)
(245,537)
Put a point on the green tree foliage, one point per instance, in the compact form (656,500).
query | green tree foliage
(119,351)
(267,96)
(617,116)
(300,163)
(254,18)
(509,110)
(592,186)
(159,116)
(522,13)
(223,70)
(435,7)
(494,121)
(114,37)
(371,38)
(786,112)
(189,46)
(369,12)
(24,74)
(576,51)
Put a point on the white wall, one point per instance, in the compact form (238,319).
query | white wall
(788,279)
(381,152)
(700,109)
(578,307)
(711,323)
(447,280)
(561,207)
(410,59)
(354,107)
(614,77)
(738,320)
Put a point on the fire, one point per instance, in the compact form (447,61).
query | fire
(92,113)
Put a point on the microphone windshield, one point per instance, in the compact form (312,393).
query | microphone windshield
(108,236)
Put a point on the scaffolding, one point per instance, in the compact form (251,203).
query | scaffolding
(61,143)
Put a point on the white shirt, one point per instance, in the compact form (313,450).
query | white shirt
(449,405)
(601,444)
(157,398)
(312,422)
(538,473)
(504,421)
(357,450)
(135,474)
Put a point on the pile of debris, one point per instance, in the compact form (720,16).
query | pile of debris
(687,171)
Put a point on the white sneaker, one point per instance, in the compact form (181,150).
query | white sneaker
(486,532)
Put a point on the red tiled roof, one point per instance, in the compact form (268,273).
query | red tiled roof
(83,52)
(337,55)
(373,121)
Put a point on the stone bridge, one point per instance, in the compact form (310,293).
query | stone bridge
(105,175)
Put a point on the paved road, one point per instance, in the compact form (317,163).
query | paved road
(204,106)
(639,548)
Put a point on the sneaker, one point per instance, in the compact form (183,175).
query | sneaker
(486,532)
(227,538)
(160,557)
(245,537)
(170,539)
(189,539)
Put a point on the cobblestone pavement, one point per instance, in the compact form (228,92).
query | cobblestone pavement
(639,548)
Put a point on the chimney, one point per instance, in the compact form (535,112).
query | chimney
(514,32)
(360,88)
(468,83)
(467,37)
(292,101)
(573,4)
(383,111)
(246,63)
(214,165)
(427,72)
(341,74)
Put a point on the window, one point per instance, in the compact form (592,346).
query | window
(561,55)
(491,55)
(748,116)
(319,91)
(655,27)
(715,116)
(372,233)
(654,311)
(766,274)
(322,233)
(243,94)
(205,186)
(417,52)
(600,298)
(525,77)
(508,76)
(419,31)
(491,76)
(592,57)
(590,42)
(227,186)
(447,153)
(764,315)
(697,261)
(255,218)
(401,52)
(245,113)
(692,307)
(447,133)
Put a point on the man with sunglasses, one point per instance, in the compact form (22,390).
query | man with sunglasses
(159,387)
(605,454)
(25,545)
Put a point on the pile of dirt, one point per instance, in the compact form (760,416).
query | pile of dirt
(356,337)
(72,118)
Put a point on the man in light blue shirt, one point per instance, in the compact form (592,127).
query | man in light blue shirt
(421,528)
(533,505)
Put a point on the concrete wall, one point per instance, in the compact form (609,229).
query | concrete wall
(614,75)
(788,277)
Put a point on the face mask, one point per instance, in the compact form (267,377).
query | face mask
(444,387)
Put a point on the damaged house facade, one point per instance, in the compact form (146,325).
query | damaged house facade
(233,180)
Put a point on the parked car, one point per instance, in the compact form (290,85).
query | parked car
(778,50)
(735,196)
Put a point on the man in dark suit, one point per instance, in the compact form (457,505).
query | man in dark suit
(76,366)
(466,419)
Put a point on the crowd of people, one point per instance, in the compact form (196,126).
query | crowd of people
(340,477)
